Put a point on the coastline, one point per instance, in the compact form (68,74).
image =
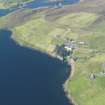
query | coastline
(71,62)
(18,42)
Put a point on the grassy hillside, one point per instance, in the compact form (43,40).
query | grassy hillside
(46,35)
(83,22)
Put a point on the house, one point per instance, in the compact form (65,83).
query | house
(82,43)
(70,45)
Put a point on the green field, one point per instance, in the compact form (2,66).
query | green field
(46,35)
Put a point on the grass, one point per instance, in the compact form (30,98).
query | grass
(43,34)
(35,33)
(78,20)
(84,90)
(2,6)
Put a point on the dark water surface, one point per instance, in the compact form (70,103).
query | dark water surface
(29,77)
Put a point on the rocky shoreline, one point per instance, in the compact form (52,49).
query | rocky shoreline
(65,86)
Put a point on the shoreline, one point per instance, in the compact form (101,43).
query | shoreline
(65,85)
(51,54)
(71,63)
